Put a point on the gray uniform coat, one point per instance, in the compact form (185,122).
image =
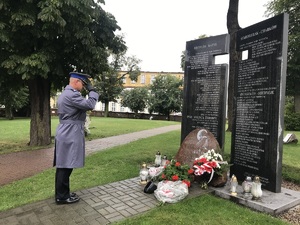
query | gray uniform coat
(69,139)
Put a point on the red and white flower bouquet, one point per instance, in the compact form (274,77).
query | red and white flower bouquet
(210,163)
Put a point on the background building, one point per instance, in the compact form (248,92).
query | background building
(145,79)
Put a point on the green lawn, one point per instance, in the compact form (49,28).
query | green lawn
(104,167)
(15,134)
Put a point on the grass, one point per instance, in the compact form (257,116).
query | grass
(104,167)
(15,134)
(203,210)
(101,168)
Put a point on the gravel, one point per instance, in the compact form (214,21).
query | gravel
(291,216)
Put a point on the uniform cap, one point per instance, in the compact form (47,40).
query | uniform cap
(83,77)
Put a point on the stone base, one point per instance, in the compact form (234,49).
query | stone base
(270,202)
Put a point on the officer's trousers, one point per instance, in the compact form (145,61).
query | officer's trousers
(62,183)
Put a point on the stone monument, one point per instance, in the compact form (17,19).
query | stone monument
(259,96)
(205,87)
(196,143)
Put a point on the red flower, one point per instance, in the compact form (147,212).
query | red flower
(177,164)
(213,164)
(190,171)
(202,160)
(175,177)
(163,176)
(188,183)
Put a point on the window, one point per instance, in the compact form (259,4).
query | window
(113,106)
(142,79)
(152,79)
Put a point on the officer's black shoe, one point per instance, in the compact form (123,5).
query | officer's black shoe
(73,194)
(67,201)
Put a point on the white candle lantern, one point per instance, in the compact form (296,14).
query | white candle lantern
(233,185)
(144,174)
(256,188)
(157,161)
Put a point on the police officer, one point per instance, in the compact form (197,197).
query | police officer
(69,150)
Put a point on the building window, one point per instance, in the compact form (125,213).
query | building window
(122,109)
(113,106)
(143,79)
(152,79)
(133,82)
(103,106)
(124,80)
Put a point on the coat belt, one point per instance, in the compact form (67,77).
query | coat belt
(71,122)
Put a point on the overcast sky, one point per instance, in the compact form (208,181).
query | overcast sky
(156,31)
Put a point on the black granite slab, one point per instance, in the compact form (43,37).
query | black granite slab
(259,102)
(205,87)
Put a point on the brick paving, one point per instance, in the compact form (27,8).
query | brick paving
(103,204)
(98,205)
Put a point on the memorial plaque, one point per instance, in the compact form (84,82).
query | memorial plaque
(205,87)
(259,96)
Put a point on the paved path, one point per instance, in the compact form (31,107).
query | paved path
(99,205)
(19,165)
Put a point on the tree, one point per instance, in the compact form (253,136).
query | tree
(110,83)
(14,94)
(234,56)
(166,95)
(40,41)
(135,99)
(13,98)
(291,7)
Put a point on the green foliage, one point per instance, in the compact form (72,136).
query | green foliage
(166,95)
(174,171)
(135,99)
(44,38)
(292,121)
(13,96)
(291,118)
(110,83)
(41,41)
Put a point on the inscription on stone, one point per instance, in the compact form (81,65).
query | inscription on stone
(259,101)
(204,87)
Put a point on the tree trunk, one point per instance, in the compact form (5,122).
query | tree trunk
(40,125)
(106,105)
(234,56)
